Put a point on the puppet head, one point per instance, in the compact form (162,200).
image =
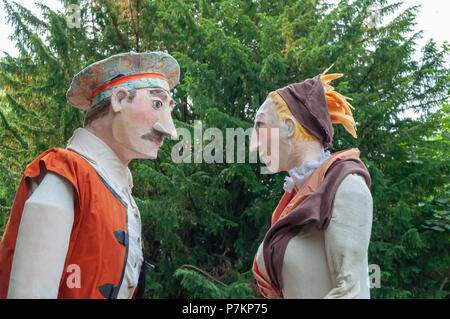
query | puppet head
(294,123)
(128,101)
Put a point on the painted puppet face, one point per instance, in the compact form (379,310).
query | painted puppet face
(139,126)
(271,138)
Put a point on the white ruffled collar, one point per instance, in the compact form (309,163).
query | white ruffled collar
(298,175)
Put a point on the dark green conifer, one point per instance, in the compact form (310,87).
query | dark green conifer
(232,54)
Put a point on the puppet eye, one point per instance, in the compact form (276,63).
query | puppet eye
(258,124)
(157,104)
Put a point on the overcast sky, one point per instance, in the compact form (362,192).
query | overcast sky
(433,18)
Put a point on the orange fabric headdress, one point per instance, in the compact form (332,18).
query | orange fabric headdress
(338,107)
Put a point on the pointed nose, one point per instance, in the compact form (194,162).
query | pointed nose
(173,135)
(166,126)
(254,141)
(166,130)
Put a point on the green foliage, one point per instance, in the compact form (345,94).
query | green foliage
(232,54)
(198,286)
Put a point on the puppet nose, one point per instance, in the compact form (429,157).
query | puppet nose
(172,129)
(254,141)
(168,130)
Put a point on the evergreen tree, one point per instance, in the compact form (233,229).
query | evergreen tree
(204,221)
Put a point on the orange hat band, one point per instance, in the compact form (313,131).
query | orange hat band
(126,78)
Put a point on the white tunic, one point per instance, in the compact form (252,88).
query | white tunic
(331,263)
(53,198)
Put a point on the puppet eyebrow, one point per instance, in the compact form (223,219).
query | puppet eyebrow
(163,95)
(159,93)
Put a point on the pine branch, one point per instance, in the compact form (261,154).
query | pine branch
(13,131)
(204,273)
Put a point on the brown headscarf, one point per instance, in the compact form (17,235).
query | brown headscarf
(306,101)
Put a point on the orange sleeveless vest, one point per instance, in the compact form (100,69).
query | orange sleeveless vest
(99,239)
(291,200)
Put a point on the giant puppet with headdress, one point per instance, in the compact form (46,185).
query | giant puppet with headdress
(317,244)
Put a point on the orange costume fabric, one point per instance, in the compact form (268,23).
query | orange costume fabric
(290,201)
(99,239)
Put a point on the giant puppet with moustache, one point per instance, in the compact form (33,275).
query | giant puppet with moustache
(75,229)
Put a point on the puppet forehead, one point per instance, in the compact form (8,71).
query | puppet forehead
(265,110)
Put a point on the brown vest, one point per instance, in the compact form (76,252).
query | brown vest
(99,239)
(313,203)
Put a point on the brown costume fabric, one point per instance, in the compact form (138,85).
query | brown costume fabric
(306,101)
(316,209)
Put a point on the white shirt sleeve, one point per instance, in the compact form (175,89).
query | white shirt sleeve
(43,240)
(347,239)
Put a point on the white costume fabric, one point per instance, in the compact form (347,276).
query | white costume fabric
(298,175)
(331,263)
(50,207)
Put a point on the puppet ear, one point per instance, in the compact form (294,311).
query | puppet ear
(119,95)
(290,123)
